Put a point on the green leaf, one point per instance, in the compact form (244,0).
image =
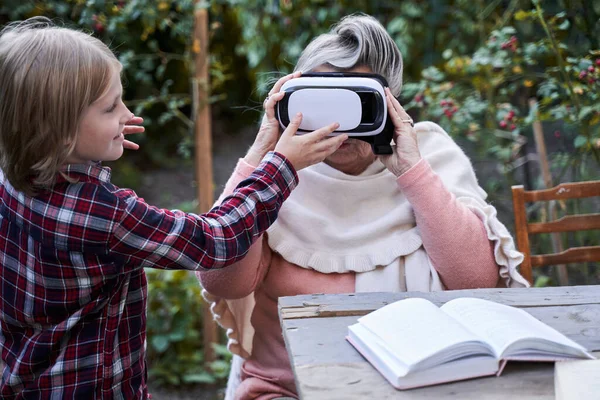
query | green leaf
(160,343)
(521,15)
(203,377)
(565,25)
(433,74)
(585,111)
(580,141)
(542,281)
(396,25)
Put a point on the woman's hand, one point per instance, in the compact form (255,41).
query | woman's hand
(311,148)
(406,150)
(133,126)
(268,134)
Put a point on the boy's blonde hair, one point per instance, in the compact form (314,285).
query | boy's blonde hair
(49,75)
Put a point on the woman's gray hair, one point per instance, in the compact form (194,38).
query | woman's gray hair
(357,40)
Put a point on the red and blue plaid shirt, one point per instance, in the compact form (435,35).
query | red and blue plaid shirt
(72,283)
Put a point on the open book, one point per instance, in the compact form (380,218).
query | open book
(414,343)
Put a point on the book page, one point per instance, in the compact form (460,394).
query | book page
(502,325)
(415,329)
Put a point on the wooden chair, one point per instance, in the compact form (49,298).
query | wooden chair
(569,223)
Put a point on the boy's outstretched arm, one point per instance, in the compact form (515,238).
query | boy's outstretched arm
(147,236)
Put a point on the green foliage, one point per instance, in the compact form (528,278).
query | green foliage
(483,96)
(174,323)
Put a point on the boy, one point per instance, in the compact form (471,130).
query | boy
(72,245)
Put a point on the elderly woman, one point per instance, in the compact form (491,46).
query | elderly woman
(413,220)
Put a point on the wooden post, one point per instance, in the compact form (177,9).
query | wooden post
(203,155)
(540,145)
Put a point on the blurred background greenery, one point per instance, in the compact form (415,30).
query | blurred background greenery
(470,65)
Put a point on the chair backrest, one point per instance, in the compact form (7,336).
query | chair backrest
(568,223)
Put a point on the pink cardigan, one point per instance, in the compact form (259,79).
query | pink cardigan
(453,236)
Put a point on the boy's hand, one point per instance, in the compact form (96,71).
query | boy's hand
(311,148)
(133,126)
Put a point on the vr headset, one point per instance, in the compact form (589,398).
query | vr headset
(355,100)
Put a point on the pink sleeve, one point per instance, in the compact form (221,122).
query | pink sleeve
(453,236)
(241,278)
(242,171)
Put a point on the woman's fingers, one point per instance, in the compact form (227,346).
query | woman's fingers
(396,105)
(276,95)
(270,104)
(402,121)
(277,87)
(391,109)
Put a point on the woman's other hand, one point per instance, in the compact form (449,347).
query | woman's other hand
(311,148)
(268,134)
(406,150)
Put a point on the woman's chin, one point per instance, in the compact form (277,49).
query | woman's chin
(344,157)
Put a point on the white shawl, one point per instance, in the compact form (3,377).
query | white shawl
(334,222)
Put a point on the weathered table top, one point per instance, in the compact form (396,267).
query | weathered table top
(326,366)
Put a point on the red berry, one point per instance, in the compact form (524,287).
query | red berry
(419,98)
(513,39)
(582,74)
(591,80)
(591,68)
(443,103)
(98,27)
(448,113)
(598,62)
(510,115)
(503,124)
(513,127)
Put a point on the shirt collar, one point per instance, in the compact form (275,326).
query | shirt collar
(92,171)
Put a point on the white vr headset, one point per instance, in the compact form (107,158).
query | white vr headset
(355,100)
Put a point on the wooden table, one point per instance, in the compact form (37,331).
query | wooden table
(326,366)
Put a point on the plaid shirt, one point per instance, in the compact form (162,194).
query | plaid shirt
(72,284)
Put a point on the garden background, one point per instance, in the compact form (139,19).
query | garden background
(483,69)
